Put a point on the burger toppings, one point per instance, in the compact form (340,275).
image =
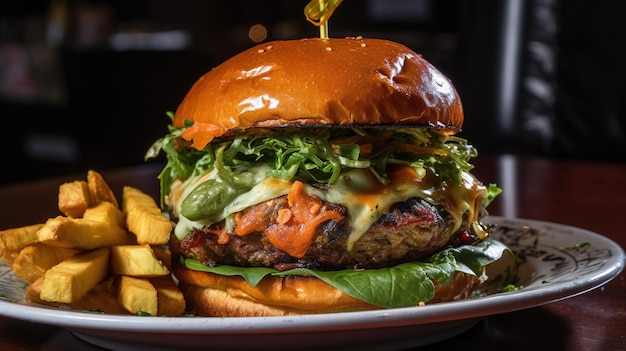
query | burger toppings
(294,227)
(317,171)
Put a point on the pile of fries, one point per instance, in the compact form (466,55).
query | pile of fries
(97,256)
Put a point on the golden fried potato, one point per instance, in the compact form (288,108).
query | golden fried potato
(163,254)
(15,239)
(33,292)
(74,198)
(171,301)
(8,257)
(100,190)
(99,299)
(97,257)
(137,295)
(136,261)
(34,260)
(70,280)
(105,212)
(144,217)
(83,234)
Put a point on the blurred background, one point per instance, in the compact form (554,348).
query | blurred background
(87,83)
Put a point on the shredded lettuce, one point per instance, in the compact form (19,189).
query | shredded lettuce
(314,155)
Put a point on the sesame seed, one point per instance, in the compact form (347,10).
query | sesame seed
(260,51)
(328,48)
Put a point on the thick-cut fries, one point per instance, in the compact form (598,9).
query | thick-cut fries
(34,260)
(137,295)
(171,301)
(16,239)
(136,260)
(8,257)
(99,188)
(12,241)
(105,212)
(99,299)
(33,292)
(163,254)
(74,198)
(70,280)
(97,257)
(83,234)
(144,218)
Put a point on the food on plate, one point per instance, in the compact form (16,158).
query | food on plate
(61,231)
(137,295)
(15,239)
(100,299)
(170,300)
(323,175)
(74,198)
(144,218)
(78,260)
(99,189)
(136,260)
(105,212)
(70,280)
(34,260)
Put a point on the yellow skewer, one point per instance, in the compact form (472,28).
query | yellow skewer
(319,11)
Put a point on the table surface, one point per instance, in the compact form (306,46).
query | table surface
(583,194)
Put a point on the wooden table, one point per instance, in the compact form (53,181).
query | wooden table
(582,194)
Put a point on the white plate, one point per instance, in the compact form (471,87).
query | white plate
(553,262)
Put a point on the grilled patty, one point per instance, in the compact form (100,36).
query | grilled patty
(408,231)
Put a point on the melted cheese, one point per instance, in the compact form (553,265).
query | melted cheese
(365,198)
(362,194)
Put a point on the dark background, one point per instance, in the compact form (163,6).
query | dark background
(86,84)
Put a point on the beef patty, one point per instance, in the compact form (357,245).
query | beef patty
(408,231)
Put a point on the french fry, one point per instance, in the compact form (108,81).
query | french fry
(144,218)
(33,292)
(99,299)
(163,254)
(12,241)
(97,257)
(8,257)
(70,280)
(74,198)
(171,301)
(80,233)
(105,212)
(16,239)
(137,295)
(137,261)
(100,190)
(34,260)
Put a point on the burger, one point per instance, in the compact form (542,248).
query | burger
(323,175)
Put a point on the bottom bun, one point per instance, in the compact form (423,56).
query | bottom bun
(209,294)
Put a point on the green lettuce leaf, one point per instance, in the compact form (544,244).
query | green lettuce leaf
(402,285)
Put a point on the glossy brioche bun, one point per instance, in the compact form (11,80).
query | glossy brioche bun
(210,294)
(333,82)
